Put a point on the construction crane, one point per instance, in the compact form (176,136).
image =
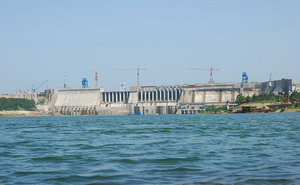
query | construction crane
(39,86)
(211,72)
(137,75)
(244,78)
(96,78)
(85,83)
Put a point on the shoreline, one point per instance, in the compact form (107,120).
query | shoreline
(22,114)
(40,114)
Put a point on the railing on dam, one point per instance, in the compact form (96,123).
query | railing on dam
(160,94)
(115,97)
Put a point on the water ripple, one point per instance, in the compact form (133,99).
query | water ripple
(162,149)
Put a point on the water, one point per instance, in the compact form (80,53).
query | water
(163,149)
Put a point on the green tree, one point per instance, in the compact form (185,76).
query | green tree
(295,97)
(240,99)
(17,104)
(248,99)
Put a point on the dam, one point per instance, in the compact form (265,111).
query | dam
(147,100)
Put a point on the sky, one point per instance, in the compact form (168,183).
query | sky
(47,40)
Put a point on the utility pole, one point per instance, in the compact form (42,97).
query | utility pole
(211,72)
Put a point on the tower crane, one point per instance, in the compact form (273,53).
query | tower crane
(244,78)
(39,86)
(137,75)
(211,72)
(96,78)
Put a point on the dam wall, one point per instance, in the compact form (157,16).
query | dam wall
(160,94)
(77,101)
(148,100)
(208,96)
(94,101)
(156,108)
(83,97)
(217,93)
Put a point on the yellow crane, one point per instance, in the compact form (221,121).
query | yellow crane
(211,81)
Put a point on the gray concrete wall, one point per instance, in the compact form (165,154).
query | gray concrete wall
(78,97)
(157,108)
(74,102)
(207,97)
(214,96)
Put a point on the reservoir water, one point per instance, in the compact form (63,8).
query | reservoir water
(159,149)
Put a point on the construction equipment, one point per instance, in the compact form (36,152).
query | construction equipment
(288,97)
(211,81)
(137,75)
(96,78)
(85,83)
(244,78)
(36,88)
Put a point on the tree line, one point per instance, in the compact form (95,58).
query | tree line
(294,97)
(256,98)
(7,104)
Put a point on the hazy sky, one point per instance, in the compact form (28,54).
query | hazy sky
(48,39)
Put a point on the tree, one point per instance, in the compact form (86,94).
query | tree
(17,104)
(248,99)
(240,99)
(295,96)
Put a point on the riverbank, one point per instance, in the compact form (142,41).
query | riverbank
(40,114)
(258,107)
(21,114)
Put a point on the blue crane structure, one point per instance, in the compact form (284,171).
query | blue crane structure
(85,83)
(36,88)
(244,78)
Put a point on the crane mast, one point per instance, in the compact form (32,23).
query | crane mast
(211,80)
(39,86)
(96,78)
(137,75)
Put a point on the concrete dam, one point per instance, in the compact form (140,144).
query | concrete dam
(146,100)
